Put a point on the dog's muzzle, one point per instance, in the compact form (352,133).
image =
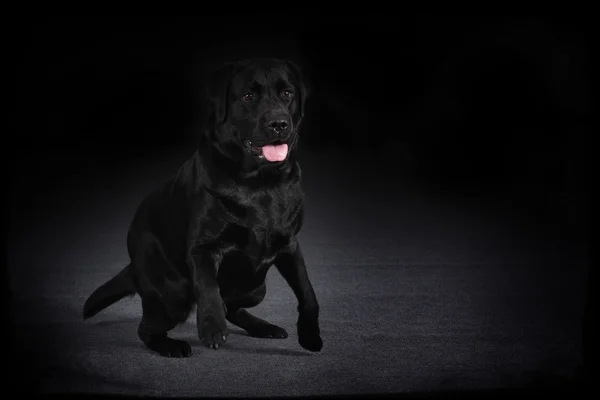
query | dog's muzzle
(272,152)
(255,151)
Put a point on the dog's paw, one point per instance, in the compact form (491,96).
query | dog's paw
(213,331)
(268,331)
(310,341)
(168,347)
(309,335)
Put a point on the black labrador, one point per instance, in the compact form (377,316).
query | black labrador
(209,235)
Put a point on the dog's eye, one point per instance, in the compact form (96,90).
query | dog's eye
(248,97)
(286,94)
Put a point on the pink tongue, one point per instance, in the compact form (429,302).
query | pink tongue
(275,153)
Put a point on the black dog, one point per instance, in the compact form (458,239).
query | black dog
(209,235)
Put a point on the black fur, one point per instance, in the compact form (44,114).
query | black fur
(210,234)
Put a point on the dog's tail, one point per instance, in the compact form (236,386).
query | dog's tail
(112,291)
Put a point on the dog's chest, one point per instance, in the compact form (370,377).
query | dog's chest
(254,250)
(267,233)
(260,226)
(262,234)
(265,243)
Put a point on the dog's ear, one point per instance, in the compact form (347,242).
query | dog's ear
(301,82)
(217,92)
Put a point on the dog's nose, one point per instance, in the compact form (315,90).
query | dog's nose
(278,126)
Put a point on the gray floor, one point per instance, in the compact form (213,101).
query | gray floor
(418,293)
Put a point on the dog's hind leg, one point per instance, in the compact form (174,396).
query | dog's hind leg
(165,299)
(154,327)
(256,327)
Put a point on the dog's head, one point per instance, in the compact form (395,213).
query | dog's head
(257,107)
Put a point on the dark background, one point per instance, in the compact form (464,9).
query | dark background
(477,103)
(471,105)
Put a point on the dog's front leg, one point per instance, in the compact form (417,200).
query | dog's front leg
(293,269)
(210,313)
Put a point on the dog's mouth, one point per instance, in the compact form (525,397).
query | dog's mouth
(272,152)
